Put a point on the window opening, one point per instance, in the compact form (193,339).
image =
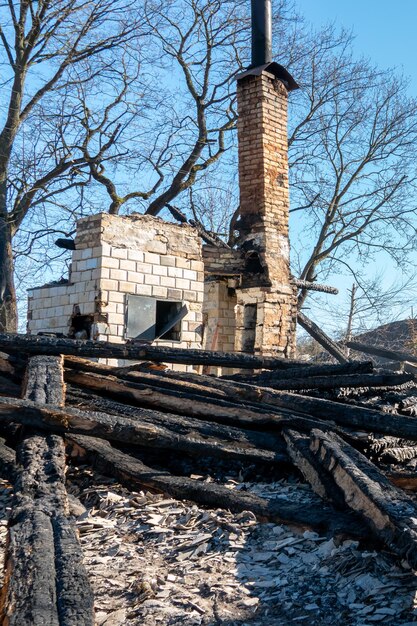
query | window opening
(148,319)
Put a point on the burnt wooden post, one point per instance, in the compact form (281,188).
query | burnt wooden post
(45,579)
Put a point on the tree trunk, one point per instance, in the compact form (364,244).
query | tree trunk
(8,308)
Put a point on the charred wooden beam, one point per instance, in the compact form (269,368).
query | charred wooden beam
(385,353)
(336,382)
(305,284)
(99,349)
(209,405)
(179,424)
(355,367)
(45,579)
(241,413)
(114,428)
(389,513)
(133,473)
(298,447)
(128,431)
(354,417)
(321,337)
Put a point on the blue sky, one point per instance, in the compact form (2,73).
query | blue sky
(385,31)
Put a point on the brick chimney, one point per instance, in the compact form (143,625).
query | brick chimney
(266,301)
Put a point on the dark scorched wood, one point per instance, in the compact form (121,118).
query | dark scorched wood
(99,349)
(396,355)
(359,367)
(45,579)
(130,431)
(390,514)
(134,474)
(180,424)
(321,337)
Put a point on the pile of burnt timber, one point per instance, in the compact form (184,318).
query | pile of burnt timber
(119,418)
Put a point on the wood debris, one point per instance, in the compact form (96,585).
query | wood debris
(190,508)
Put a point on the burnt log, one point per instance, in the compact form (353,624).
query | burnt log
(354,417)
(385,380)
(385,353)
(179,424)
(181,402)
(45,579)
(128,431)
(321,338)
(322,483)
(355,367)
(135,474)
(28,344)
(389,512)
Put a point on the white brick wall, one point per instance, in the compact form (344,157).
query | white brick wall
(156,259)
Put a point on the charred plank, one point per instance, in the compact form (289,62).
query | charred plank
(45,580)
(58,345)
(134,474)
(389,512)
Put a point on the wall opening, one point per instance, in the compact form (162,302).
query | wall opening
(249,327)
(81,326)
(148,319)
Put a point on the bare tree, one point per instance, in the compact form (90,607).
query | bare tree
(195,50)
(46,48)
(353,161)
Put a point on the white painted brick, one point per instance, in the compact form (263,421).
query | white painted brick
(110,262)
(86,275)
(184,263)
(127,287)
(167,281)
(175,272)
(153,259)
(197,286)
(197,266)
(118,274)
(160,292)
(91,264)
(135,277)
(116,318)
(128,265)
(190,274)
(135,255)
(168,260)
(86,254)
(150,279)
(181,283)
(111,285)
(160,270)
(77,255)
(116,296)
(119,253)
(97,252)
(105,249)
(143,290)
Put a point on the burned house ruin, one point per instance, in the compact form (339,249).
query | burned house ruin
(139,277)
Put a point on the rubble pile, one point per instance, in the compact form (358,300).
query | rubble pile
(261,498)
